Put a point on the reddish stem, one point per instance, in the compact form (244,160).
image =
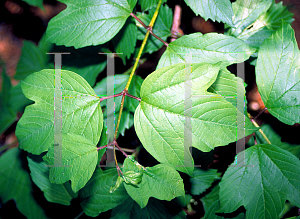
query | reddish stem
(123,152)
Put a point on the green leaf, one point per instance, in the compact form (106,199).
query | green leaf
(155,209)
(160,118)
(216,10)
(97,22)
(246,12)
(148,4)
(130,104)
(211,198)
(96,195)
(124,42)
(87,62)
(81,111)
(15,183)
(275,139)
(8,115)
(75,160)
(209,48)
(33,58)
(37,3)
(132,178)
(202,180)
(261,182)
(161,182)
(17,99)
(161,28)
(277,75)
(266,24)
(57,193)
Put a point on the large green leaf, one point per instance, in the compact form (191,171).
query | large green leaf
(216,10)
(90,22)
(81,111)
(246,12)
(33,58)
(15,183)
(209,48)
(79,158)
(266,24)
(161,116)
(96,195)
(148,4)
(57,193)
(155,209)
(278,75)
(202,180)
(262,182)
(161,181)
(161,28)
(125,41)
(130,104)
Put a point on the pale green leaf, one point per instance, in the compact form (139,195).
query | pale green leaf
(162,28)
(161,181)
(245,14)
(57,193)
(202,180)
(161,116)
(96,195)
(81,111)
(90,22)
(262,181)
(216,10)
(266,24)
(148,4)
(155,209)
(278,75)
(74,160)
(209,48)
(124,42)
(15,183)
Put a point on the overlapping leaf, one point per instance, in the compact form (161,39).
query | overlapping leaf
(209,48)
(155,209)
(216,10)
(75,160)
(57,193)
(154,183)
(81,111)
(15,183)
(262,182)
(96,195)
(161,28)
(148,4)
(125,41)
(161,118)
(278,75)
(38,3)
(91,22)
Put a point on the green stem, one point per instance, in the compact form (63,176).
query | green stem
(149,29)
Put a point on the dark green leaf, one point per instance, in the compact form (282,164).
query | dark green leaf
(81,111)
(57,193)
(161,28)
(91,22)
(278,76)
(262,181)
(15,183)
(148,4)
(160,118)
(155,209)
(17,99)
(216,10)
(209,48)
(38,3)
(202,180)
(161,182)
(96,195)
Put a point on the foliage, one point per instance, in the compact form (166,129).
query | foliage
(190,100)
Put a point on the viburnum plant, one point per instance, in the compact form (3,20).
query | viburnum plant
(190,100)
